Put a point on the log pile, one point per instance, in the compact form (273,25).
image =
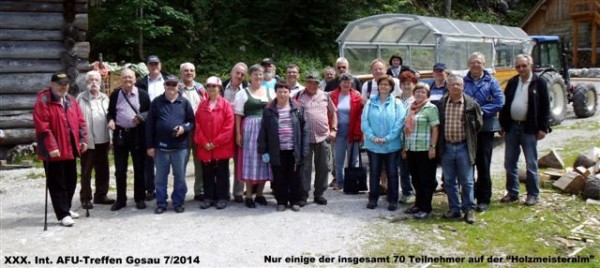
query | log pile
(583,177)
(37,38)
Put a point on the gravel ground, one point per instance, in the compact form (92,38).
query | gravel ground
(235,236)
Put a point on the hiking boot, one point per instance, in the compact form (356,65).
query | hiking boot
(261,200)
(451,215)
(280,208)
(470,216)
(482,207)
(421,215)
(405,199)
(412,210)
(250,203)
(532,200)
(372,205)
(295,207)
(321,200)
(509,199)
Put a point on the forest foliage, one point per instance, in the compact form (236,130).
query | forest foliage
(215,34)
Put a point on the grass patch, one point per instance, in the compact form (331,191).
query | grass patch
(576,146)
(504,230)
(511,229)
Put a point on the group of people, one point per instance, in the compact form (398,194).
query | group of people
(279,131)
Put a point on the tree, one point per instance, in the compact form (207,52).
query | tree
(447,8)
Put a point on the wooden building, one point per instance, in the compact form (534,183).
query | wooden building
(575,21)
(37,38)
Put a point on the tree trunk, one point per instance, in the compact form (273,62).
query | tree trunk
(447,8)
(17,101)
(16,119)
(18,136)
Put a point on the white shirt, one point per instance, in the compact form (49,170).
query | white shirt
(295,89)
(156,87)
(375,89)
(518,108)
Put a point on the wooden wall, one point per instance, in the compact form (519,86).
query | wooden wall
(37,38)
(552,18)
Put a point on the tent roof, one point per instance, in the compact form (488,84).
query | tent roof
(394,29)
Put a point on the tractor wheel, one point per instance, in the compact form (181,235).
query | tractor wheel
(557,93)
(585,100)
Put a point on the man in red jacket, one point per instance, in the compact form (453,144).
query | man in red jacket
(61,133)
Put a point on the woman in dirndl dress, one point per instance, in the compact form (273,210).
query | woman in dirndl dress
(248,109)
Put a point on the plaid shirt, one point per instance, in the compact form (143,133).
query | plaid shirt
(454,125)
(419,140)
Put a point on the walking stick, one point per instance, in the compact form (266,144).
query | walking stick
(46,190)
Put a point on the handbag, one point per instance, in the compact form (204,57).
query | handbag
(355,178)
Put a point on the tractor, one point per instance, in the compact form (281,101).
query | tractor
(551,63)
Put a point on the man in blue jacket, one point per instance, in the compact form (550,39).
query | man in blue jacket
(485,89)
(170,121)
(524,121)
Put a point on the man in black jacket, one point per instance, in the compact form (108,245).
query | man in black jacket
(153,84)
(127,111)
(341,67)
(524,121)
(170,121)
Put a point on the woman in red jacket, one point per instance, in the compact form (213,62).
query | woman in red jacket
(60,133)
(214,137)
(349,106)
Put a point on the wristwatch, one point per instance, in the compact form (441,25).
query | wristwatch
(334,129)
(432,146)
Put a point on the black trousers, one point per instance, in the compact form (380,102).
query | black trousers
(61,178)
(216,180)
(138,153)
(94,159)
(148,173)
(422,170)
(483,160)
(286,181)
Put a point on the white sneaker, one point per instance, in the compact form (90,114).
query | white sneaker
(67,221)
(74,214)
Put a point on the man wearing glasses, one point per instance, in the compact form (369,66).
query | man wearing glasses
(341,67)
(485,89)
(524,121)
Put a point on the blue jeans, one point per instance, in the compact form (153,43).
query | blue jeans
(164,160)
(341,146)
(389,163)
(405,179)
(515,140)
(457,169)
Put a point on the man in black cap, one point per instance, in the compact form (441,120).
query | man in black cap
(153,84)
(438,87)
(170,120)
(61,135)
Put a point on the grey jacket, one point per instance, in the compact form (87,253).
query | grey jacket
(473,120)
(86,109)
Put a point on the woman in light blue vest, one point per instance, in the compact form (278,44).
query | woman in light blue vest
(382,122)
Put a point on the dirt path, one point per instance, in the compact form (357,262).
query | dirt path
(236,236)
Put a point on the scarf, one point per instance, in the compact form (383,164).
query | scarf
(415,107)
